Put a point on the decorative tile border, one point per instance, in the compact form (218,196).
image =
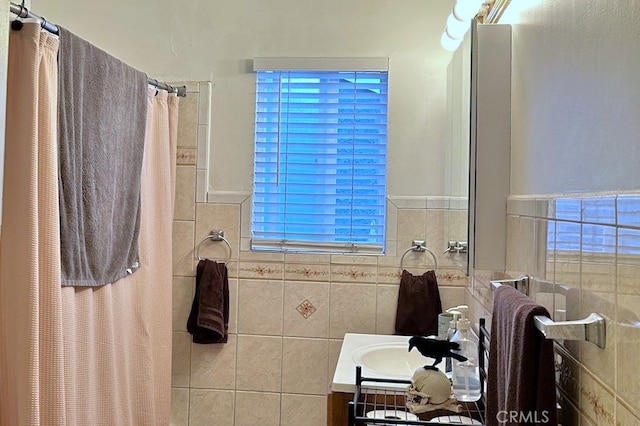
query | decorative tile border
(599,403)
(267,271)
(300,272)
(361,274)
(389,275)
(452,277)
(186,156)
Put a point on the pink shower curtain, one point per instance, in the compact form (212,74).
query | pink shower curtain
(117,338)
(78,356)
(31,350)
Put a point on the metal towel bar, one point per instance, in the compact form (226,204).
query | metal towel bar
(418,245)
(214,236)
(591,329)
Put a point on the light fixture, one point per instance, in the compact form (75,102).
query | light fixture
(465,10)
(459,22)
(456,28)
(449,43)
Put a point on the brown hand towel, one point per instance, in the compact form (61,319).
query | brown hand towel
(418,305)
(520,378)
(209,317)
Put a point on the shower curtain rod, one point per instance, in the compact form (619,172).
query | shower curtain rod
(23,12)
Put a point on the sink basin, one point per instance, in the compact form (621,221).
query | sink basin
(380,356)
(390,359)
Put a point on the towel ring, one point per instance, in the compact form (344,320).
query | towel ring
(214,236)
(419,246)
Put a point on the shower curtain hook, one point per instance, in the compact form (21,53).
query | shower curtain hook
(155,84)
(24,12)
(16,24)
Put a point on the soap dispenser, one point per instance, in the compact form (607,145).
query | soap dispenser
(450,334)
(466,374)
(444,322)
(451,331)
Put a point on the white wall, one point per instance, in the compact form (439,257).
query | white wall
(576,98)
(216,40)
(4,44)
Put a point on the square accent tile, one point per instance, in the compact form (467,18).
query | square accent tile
(306,309)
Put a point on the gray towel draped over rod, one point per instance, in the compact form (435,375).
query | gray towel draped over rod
(216,235)
(22,12)
(591,329)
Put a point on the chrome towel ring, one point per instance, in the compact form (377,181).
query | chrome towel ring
(214,236)
(418,245)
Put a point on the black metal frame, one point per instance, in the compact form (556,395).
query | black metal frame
(391,399)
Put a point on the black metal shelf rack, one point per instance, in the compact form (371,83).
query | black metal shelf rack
(373,394)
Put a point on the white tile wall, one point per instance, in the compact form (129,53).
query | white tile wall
(603,272)
(289,312)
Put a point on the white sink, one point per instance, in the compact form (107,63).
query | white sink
(390,359)
(380,356)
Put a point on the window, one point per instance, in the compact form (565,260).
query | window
(320,161)
(598,225)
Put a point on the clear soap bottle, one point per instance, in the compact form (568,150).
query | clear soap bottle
(466,374)
(451,334)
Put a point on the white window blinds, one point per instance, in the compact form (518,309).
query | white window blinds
(320,161)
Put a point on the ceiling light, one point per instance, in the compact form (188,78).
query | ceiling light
(459,22)
(456,28)
(449,43)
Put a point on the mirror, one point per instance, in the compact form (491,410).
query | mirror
(478,148)
(457,154)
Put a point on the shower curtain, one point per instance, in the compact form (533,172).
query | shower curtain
(73,355)
(31,355)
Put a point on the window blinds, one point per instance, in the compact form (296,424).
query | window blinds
(320,161)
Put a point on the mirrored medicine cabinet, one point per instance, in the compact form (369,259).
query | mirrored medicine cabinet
(477,155)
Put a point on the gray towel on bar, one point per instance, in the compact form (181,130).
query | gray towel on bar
(102,108)
(521,373)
